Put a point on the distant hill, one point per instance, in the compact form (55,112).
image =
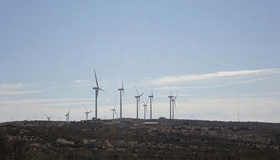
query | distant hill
(135,139)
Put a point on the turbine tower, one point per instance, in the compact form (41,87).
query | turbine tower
(67,116)
(145,109)
(171,98)
(87,112)
(151,99)
(137,101)
(114,110)
(49,118)
(121,91)
(96,93)
(174,105)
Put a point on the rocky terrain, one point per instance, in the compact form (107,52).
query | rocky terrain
(139,139)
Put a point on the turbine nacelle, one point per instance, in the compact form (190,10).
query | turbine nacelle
(97,88)
(139,95)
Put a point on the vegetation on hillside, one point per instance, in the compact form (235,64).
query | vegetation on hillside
(128,140)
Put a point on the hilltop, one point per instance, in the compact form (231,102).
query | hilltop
(139,139)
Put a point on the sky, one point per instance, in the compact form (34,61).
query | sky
(222,57)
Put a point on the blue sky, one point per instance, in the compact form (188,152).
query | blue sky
(217,54)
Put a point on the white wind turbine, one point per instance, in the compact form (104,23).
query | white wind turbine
(48,117)
(121,92)
(137,101)
(96,93)
(151,110)
(145,109)
(171,98)
(31,119)
(174,105)
(67,116)
(87,112)
(114,110)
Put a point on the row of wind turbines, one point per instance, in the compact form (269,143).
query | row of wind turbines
(151,98)
(67,115)
(138,96)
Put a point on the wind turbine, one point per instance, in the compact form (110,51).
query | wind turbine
(151,99)
(87,112)
(121,91)
(96,93)
(171,97)
(67,116)
(145,108)
(114,110)
(31,119)
(48,117)
(174,105)
(137,101)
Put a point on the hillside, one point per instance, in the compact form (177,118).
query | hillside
(135,139)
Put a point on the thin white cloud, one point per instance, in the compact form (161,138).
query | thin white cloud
(79,81)
(15,89)
(41,83)
(11,86)
(16,93)
(51,102)
(50,83)
(188,78)
(168,88)
(15,86)
(220,85)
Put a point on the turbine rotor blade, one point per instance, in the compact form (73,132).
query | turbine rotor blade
(170,91)
(122,82)
(122,86)
(137,91)
(102,90)
(116,113)
(115,105)
(96,78)
(141,94)
(85,107)
(176,96)
(45,114)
